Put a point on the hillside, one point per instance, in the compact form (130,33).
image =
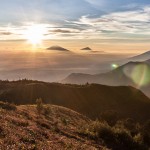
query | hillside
(91,100)
(23,128)
(53,127)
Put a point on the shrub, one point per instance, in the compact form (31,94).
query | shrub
(7,106)
(39,106)
(95,129)
(47,110)
(64,121)
(99,128)
(146,133)
(132,126)
(110,117)
(116,138)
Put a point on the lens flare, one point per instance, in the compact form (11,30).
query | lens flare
(139,74)
(114,66)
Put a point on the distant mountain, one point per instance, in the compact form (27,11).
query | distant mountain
(141,57)
(57,48)
(91,100)
(137,58)
(86,49)
(147,61)
(78,78)
(110,78)
(127,74)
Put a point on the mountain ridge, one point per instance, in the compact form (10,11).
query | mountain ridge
(90,100)
(122,75)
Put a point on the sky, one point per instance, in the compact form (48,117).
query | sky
(116,25)
(112,29)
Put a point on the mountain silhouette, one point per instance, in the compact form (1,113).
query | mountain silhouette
(141,57)
(57,48)
(123,75)
(86,49)
(147,61)
(90,99)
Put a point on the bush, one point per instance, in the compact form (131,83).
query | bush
(39,106)
(7,106)
(64,121)
(146,133)
(47,110)
(116,138)
(99,128)
(111,117)
(95,129)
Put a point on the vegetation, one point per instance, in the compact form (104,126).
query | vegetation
(45,125)
(56,123)
(118,136)
(24,129)
(7,106)
(39,106)
(91,100)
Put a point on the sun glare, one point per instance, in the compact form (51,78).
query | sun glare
(35,33)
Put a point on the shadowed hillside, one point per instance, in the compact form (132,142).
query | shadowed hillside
(91,100)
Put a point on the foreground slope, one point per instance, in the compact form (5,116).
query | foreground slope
(24,128)
(91,100)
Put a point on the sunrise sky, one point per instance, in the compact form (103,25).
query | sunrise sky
(105,25)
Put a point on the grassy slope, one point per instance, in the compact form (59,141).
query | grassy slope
(24,129)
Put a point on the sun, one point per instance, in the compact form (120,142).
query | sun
(34,33)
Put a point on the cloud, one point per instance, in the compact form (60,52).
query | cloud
(122,22)
(64,30)
(61,31)
(97,2)
(5,33)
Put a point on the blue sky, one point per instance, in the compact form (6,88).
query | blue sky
(100,19)
(16,10)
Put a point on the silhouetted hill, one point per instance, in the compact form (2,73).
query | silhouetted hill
(90,100)
(78,78)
